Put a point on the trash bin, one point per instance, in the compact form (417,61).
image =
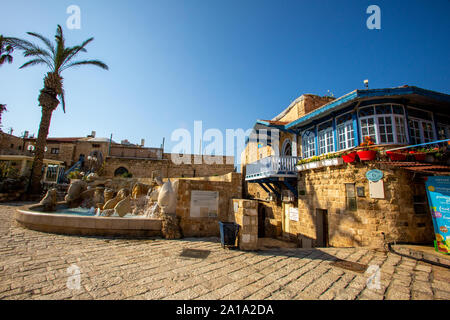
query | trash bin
(228,233)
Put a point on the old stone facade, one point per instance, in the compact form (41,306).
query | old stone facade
(229,187)
(333,204)
(325,206)
(10,144)
(166,168)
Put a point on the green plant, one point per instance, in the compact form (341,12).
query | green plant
(74,175)
(127,175)
(319,158)
(7,171)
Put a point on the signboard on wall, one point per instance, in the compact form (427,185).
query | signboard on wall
(438,191)
(204,204)
(293,214)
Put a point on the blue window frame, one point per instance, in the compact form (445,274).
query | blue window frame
(308,144)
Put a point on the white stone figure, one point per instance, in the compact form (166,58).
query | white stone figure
(167,199)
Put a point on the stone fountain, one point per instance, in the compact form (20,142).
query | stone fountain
(104,198)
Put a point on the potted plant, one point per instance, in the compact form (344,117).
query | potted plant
(418,155)
(367,152)
(331,159)
(396,156)
(349,157)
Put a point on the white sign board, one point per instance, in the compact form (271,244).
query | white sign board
(376,189)
(204,204)
(293,213)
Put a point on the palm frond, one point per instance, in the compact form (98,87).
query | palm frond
(72,52)
(35,62)
(47,42)
(63,100)
(6,58)
(60,49)
(17,43)
(87,62)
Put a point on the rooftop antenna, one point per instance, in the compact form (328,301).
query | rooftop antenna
(366,84)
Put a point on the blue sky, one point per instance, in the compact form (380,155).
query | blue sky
(226,63)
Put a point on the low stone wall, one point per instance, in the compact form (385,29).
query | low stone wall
(11,196)
(33,219)
(165,168)
(228,187)
(246,216)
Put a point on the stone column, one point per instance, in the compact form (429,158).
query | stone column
(246,216)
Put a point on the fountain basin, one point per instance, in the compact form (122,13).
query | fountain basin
(66,222)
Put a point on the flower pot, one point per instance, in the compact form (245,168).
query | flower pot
(332,162)
(348,158)
(396,156)
(429,158)
(367,155)
(420,156)
(313,165)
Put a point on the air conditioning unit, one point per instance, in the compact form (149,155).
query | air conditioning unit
(287,196)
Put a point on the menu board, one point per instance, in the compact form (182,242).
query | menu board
(204,204)
(438,191)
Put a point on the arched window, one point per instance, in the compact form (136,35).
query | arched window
(120,171)
(308,144)
(287,148)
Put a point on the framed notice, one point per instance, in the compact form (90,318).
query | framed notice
(293,214)
(204,204)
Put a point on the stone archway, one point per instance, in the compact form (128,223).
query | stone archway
(120,171)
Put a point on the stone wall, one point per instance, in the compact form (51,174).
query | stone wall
(229,187)
(246,216)
(11,145)
(395,215)
(135,152)
(164,168)
(301,106)
(322,192)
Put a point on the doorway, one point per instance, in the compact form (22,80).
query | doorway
(261,221)
(285,224)
(321,228)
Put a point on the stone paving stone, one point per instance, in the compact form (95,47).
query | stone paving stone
(33,265)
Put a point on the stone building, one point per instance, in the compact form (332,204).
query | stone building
(292,165)
(10,144)
(124,157)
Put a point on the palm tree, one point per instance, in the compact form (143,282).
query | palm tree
(5,51)
(57,57)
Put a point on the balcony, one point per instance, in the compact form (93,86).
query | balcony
(272,167)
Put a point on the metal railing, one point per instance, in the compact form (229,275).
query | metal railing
(271,167)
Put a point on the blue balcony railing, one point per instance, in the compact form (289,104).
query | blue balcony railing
(273,166)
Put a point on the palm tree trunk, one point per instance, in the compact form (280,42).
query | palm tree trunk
(49,103)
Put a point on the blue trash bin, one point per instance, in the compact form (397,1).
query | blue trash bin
(228,233)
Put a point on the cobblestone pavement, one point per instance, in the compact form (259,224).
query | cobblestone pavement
(33,265)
